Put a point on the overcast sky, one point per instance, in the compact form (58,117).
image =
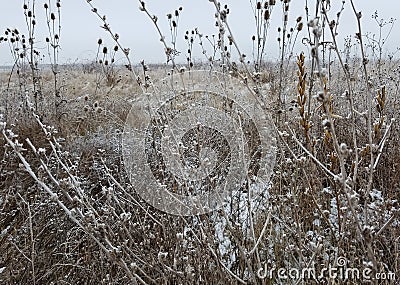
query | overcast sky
(81,28)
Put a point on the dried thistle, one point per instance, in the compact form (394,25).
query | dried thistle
(302,97)
(380,106)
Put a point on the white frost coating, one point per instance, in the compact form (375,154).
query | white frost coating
(192,142)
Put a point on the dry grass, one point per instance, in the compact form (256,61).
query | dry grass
(69,214)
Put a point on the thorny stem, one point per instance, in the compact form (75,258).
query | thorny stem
(349,96)
(29,18)
(369,105)
(240,280)
(32,259)
(256,91)
(162,37)
(282,99)
(115,37)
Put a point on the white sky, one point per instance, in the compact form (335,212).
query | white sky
(81,28)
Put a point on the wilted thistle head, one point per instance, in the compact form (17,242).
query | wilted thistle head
(258,5)
(272,2)
(100,41)
(104,50)
(46,6)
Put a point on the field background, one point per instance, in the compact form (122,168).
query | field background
(69,213)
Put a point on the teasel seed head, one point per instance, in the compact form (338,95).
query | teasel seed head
(266,15)
(300,26)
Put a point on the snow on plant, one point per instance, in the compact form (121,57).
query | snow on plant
(93,153)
